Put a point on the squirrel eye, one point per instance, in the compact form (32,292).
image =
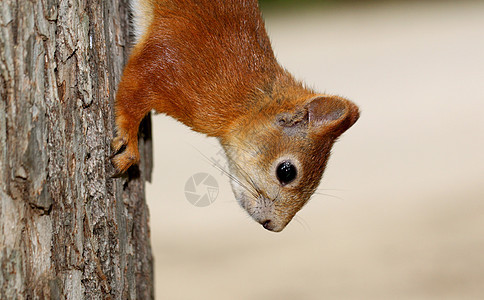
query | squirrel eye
(286,172)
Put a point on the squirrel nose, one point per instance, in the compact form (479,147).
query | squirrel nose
(267,224)
(271,225)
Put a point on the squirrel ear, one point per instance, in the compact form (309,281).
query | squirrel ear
(331,114)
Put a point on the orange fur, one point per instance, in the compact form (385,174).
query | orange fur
(210,65)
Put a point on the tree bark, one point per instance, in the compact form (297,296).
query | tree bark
(68,230)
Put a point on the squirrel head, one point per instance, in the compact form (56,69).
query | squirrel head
(277,158)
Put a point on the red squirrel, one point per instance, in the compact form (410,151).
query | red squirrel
(210,65)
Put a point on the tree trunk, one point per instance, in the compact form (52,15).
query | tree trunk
(67,229)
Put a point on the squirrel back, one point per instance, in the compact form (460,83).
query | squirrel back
(199,54)
(210,65)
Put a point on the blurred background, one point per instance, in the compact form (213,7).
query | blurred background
(400,211)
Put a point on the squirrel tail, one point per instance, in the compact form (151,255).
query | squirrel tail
(142,11)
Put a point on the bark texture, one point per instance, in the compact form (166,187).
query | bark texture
(67,229)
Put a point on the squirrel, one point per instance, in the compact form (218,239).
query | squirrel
(210,65)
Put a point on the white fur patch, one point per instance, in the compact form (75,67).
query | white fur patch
(142,15)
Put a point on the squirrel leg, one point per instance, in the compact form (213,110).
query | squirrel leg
(129,113)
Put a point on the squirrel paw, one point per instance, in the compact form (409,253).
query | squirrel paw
(125,153)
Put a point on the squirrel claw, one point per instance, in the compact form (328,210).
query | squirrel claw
(125,154)
(122,161)
(118,144)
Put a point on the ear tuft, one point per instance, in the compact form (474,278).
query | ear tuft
(331,114)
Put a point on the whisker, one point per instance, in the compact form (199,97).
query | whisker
(329,195)
(227,173)
(239,182)
(247,178)
(302,222)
